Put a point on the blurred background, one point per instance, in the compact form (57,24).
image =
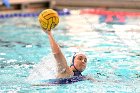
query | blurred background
(35,5)
(111,40)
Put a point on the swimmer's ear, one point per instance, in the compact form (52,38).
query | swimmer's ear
(75,53)
(71,59)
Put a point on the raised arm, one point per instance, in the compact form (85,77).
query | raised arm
(63,68)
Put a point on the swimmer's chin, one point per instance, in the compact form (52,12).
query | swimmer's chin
(82,68)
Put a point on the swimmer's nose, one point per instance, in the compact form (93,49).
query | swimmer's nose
(83,61)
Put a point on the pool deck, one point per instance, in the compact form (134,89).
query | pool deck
(100,3)
(34,5)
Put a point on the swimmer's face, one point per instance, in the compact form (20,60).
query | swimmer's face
(80,62)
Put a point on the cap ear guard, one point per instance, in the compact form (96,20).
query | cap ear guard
(73,59)
(75,54)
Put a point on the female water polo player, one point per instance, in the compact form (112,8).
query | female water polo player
(78,65)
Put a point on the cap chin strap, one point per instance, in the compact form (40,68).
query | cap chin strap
(73,63)
(75,68)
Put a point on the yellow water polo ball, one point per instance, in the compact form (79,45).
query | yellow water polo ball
(48,19)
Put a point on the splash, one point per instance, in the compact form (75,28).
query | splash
(45,70)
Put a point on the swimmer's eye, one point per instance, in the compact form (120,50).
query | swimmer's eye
(81,58)
(85,60)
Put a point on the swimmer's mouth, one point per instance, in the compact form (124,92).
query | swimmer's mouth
(84,64)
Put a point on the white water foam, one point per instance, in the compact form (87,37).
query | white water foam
(45,70)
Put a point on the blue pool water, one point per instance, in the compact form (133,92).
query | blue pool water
(113,54)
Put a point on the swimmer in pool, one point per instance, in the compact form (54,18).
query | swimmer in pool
(79,60)
(66,74)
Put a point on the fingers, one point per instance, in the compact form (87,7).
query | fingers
(47,31)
